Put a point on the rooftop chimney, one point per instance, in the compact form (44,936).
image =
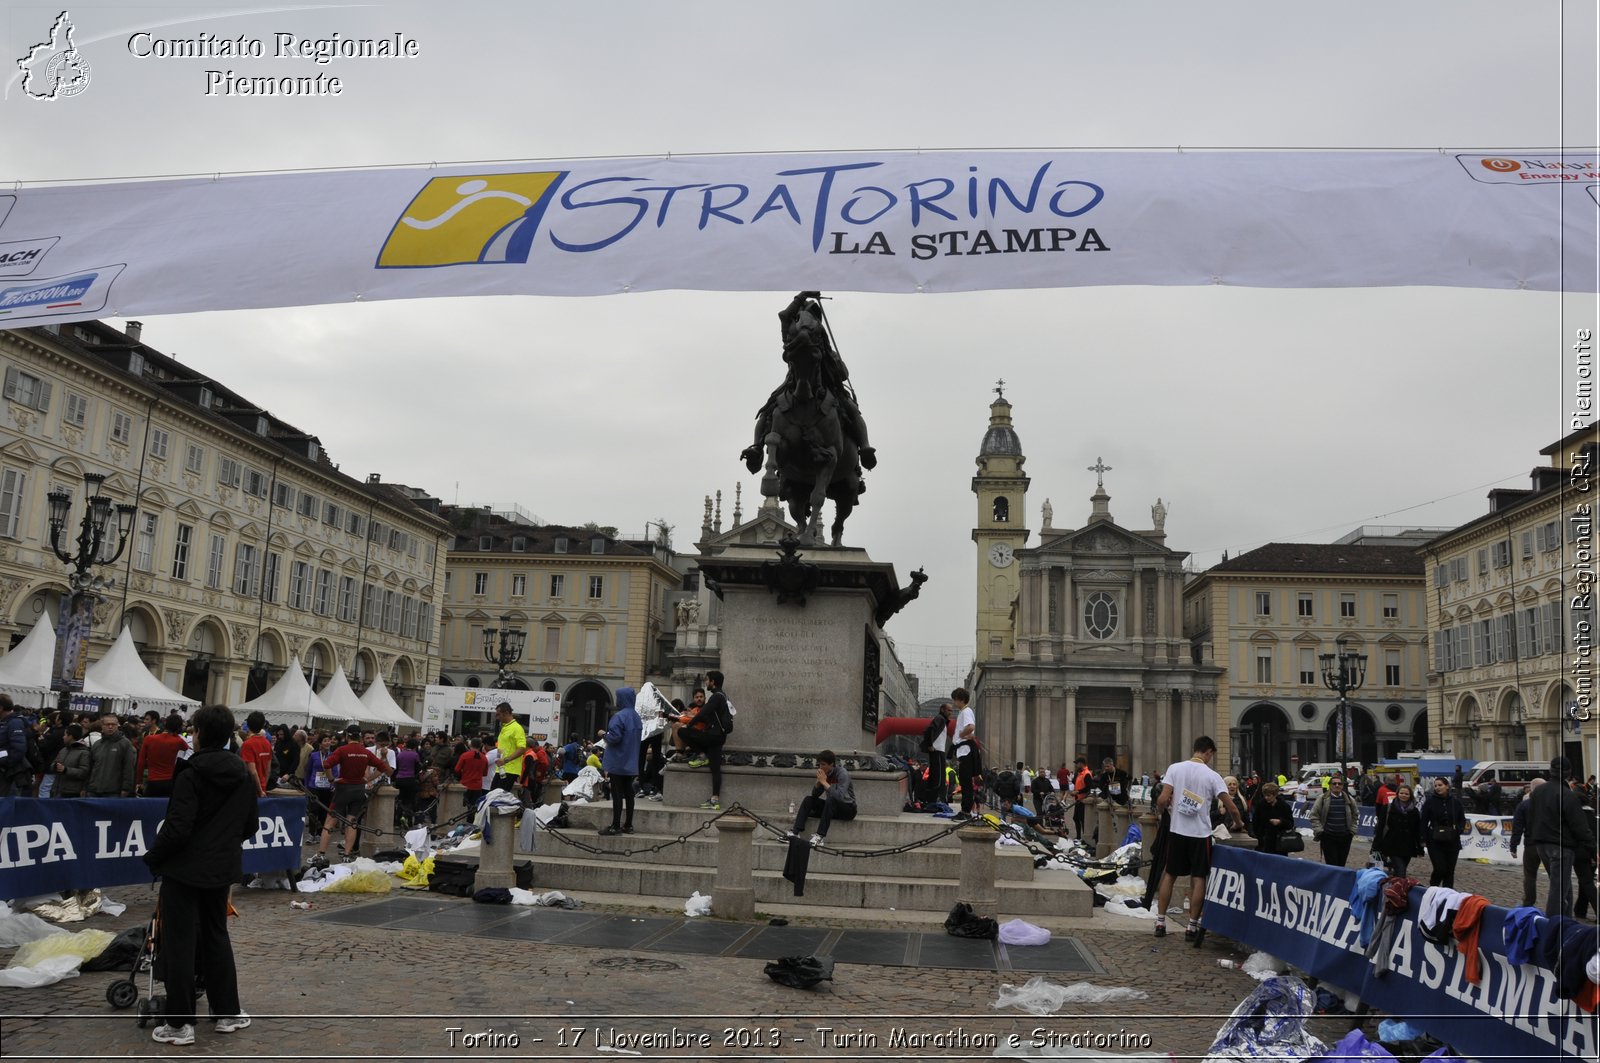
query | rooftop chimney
(374,478)
(133,329)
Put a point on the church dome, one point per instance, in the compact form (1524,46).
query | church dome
(1001,439)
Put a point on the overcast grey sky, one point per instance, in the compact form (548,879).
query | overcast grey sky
(1257,415)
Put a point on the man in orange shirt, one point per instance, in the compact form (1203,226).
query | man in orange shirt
(158,756)
(257,750)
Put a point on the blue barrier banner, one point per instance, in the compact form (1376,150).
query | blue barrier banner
(88,842)
(1366,818)
(1300,912)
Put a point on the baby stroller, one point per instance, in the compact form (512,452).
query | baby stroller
(1054,817)
(124,993)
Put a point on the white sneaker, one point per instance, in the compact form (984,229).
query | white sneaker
(791,835)
(230,1023)
(174,1035)
(816,840)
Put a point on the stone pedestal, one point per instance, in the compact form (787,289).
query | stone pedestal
(802,639)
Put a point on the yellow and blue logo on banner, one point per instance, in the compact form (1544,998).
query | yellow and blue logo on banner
(483,218)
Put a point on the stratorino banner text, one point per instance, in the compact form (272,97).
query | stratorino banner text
(874,222)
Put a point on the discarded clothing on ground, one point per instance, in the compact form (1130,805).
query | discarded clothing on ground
(963,922)
(1041,997)
(492,895)
(800,972)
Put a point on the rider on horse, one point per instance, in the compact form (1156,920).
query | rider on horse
(806,345)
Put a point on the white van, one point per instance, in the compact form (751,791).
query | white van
(1512,776)
(1311,776)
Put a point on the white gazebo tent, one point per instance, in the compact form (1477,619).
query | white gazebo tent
(290,700)
(25,671)
(122,676)
(379,700)
(344,706)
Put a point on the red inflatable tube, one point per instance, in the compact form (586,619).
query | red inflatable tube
(890,726)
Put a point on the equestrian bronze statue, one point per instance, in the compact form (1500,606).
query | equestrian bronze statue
(810,429)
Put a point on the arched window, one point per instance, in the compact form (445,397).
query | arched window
(1002,510)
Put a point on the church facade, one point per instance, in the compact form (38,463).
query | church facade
(1080,644)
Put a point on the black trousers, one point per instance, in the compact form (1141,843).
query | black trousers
(936,765)
(1336,848)
(969,769)
(651,761)
(711,745)
(826,808)
(1444,856)
(622,800)
(194,930)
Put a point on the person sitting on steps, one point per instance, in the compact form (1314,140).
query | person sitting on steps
(832,797)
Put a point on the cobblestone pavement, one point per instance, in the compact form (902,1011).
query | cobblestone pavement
(319,990)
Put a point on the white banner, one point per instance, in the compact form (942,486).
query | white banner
(538,710)
(877,222)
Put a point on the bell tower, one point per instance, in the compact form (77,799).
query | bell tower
(999,531)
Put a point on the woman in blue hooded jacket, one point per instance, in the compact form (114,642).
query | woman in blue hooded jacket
(621,761)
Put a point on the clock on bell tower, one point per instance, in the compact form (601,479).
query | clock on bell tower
(999,531)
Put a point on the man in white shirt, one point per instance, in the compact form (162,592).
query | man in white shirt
(1188,789)
(969,763)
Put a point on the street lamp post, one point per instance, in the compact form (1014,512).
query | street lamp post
(95,529)
(502,647)
(1343,672)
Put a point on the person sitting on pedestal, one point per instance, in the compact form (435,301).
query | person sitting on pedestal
(832,797)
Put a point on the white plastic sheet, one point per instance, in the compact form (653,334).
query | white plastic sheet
(1041,997)
(52,969)
(697,905)
(1019,932)
(1262,966)
(23,927)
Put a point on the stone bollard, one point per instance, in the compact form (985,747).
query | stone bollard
(977,886)
(1149,823)
(1106,843)
(378,832)
(452,801)
(494,858)
(733,896)
(1121,816)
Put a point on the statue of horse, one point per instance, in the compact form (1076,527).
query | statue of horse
(810,458)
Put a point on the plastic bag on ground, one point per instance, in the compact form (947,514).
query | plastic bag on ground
(1041,997)
(1018,932)
(47,971)
(120,954)
(417,840)
(111,907)
(1271,1023)
(800,972)
(1262,966)
(697,905)
(23,927)
(368,880)
(963,922)
(83,945)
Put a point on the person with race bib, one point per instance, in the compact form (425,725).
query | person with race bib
(1187,790)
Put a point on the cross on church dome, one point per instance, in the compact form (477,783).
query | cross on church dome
(1000,388)
(1100,468)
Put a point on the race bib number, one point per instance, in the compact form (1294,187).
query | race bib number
(1189,804)
(1116,788)
(319,781)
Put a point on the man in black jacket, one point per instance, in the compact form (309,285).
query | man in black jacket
(1559,828)
(199,854)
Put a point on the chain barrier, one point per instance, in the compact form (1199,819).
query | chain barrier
(781,833)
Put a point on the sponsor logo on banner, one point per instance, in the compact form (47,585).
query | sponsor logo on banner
(54,69)
(18,258)
(453,221)
(75,296)
(1530,170)
(476,219)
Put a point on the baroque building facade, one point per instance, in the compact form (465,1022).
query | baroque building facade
(1511,613)
(595,608)
(1080,647)
(1266,617)
(249,548)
